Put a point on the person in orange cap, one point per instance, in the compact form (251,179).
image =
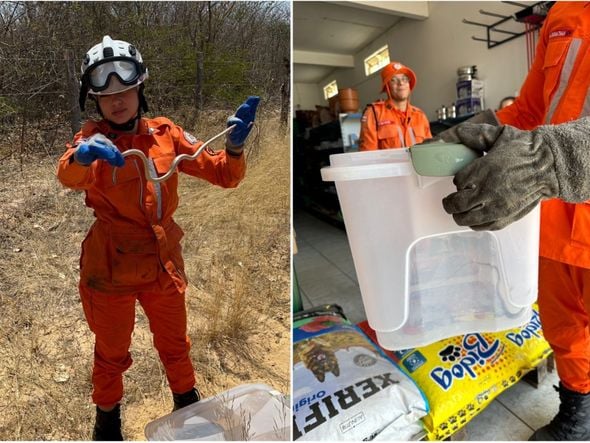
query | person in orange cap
(132,252)
(394,123)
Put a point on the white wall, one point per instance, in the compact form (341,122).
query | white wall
(434,48)
(307,95)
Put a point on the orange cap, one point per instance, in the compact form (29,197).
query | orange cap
(394,68)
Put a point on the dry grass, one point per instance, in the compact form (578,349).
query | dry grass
(236,251)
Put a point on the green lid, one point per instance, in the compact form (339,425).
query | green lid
(441,159)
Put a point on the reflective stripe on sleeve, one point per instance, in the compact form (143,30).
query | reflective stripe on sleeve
(564,78)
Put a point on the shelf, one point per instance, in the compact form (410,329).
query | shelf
(533,16)
(438,126)
(310,154)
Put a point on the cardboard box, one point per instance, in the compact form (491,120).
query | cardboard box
(468,106)
(470,89)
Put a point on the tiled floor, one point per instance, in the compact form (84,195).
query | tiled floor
(326,274)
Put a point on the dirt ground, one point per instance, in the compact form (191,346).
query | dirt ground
(237,256)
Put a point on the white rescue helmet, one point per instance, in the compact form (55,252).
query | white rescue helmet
(108,59)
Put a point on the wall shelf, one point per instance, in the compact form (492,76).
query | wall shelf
(532,15)
(311,153)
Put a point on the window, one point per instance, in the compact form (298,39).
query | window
(377,60)
(330,90)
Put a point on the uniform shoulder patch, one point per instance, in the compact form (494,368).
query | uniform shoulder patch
(189,137)
(560,33)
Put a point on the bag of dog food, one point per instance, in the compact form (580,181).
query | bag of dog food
(461,375)
(344,388)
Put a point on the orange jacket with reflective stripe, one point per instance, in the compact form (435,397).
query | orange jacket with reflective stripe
(556,91)
(383,127)
(134,236)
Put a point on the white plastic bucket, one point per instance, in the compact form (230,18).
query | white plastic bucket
(422,277)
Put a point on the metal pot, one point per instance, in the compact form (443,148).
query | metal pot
(467,72)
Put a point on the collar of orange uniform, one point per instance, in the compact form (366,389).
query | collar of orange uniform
(402,114)
(142,129)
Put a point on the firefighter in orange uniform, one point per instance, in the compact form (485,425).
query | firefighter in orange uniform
(132,251)
(542,150)
(556,91)
(394,123)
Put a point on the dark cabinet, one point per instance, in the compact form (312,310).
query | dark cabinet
(311,152)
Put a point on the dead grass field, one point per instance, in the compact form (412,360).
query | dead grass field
(236,249)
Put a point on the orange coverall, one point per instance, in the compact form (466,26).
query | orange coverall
(132,251)
(384,127)
(556,91)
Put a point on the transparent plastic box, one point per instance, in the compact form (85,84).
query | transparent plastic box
(248,412)
(422,277)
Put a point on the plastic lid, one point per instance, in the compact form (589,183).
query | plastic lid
(363,172)
(377,156)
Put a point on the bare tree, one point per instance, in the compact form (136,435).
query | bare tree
(199,54)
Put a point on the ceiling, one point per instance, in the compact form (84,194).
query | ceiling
(327,34)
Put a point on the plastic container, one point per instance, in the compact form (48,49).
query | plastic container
(247,412)
(422,277)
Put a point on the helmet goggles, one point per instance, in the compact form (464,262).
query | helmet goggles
(127,70)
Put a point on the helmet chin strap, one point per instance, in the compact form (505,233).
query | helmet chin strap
(127,126)
(388,90)
(130,124)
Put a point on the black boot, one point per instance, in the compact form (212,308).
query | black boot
(107,426)
(188,398)
(572,422)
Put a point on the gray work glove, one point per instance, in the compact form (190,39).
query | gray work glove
(519,169)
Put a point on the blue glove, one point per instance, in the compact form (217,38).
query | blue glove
(243,119)
(98,147)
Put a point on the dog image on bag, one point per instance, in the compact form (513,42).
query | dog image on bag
(318,357)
